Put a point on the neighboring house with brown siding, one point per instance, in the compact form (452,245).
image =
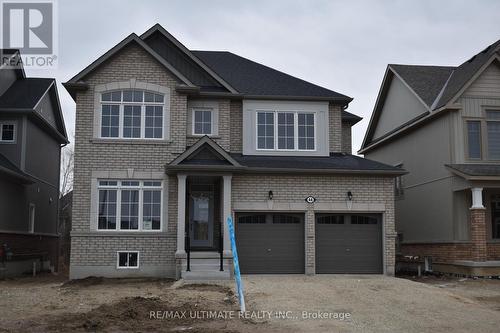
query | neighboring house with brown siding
(32,133)
(171,142)
(442,125)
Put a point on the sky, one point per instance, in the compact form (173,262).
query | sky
(344,46)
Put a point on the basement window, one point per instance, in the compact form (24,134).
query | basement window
(128,259)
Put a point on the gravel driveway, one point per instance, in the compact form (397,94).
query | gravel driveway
(375,303)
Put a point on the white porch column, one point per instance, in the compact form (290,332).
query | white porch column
(226,212)
(477,197)
(181,214)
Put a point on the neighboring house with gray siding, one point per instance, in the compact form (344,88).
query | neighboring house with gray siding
(440,123)
(31,135)
(171,142)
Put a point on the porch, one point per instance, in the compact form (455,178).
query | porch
(203,244)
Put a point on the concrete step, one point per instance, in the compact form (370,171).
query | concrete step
(204,267)
(206,275)
(211,261)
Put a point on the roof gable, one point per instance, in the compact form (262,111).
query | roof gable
(132,38)
(486,82)
(465,73)
(205,152)
(168,47)
(397,109)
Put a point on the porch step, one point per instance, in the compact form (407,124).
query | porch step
(206,275)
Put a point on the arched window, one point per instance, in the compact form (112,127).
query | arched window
(132,114)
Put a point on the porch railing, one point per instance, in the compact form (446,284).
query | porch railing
(187,244)
(221,248)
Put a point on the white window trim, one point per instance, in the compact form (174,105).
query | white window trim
(127,267)
(141,189)
(121,106)
(15,131)
(193,110)
(295,127)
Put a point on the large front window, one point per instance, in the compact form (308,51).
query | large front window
(277,130)
(132,114)
(129,205)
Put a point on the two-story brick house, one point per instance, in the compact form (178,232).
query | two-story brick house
(170,142)
(440,123)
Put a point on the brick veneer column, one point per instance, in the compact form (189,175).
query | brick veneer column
(478,234)
(310,241)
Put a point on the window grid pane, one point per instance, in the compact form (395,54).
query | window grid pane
(202,122)
(306,131)
(265,130)
(474,139)
(107,209)
(110,121)
(154,122)
(131,121)
(129,210)
(151,209)
(286,130)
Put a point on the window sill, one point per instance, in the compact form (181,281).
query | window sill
(94,233)
(199,136)
(130,142)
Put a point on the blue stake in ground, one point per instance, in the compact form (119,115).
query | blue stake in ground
(237,275)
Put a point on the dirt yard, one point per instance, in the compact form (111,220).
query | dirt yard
(48,304)
(322,303)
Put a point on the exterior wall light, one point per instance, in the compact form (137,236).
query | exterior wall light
(270,195)
(349,195)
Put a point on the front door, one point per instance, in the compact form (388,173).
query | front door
(201,216)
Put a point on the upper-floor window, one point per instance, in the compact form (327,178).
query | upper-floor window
(132,114)
(7,132)
(474,139)
(483,137)
(129,205)
(284,130)
(202,121)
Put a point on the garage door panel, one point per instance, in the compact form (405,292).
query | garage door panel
(270,248)
(348,243)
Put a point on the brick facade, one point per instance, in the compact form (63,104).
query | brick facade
(493,251)
(478,234)
(440,253)
(346,138)
(335,122)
